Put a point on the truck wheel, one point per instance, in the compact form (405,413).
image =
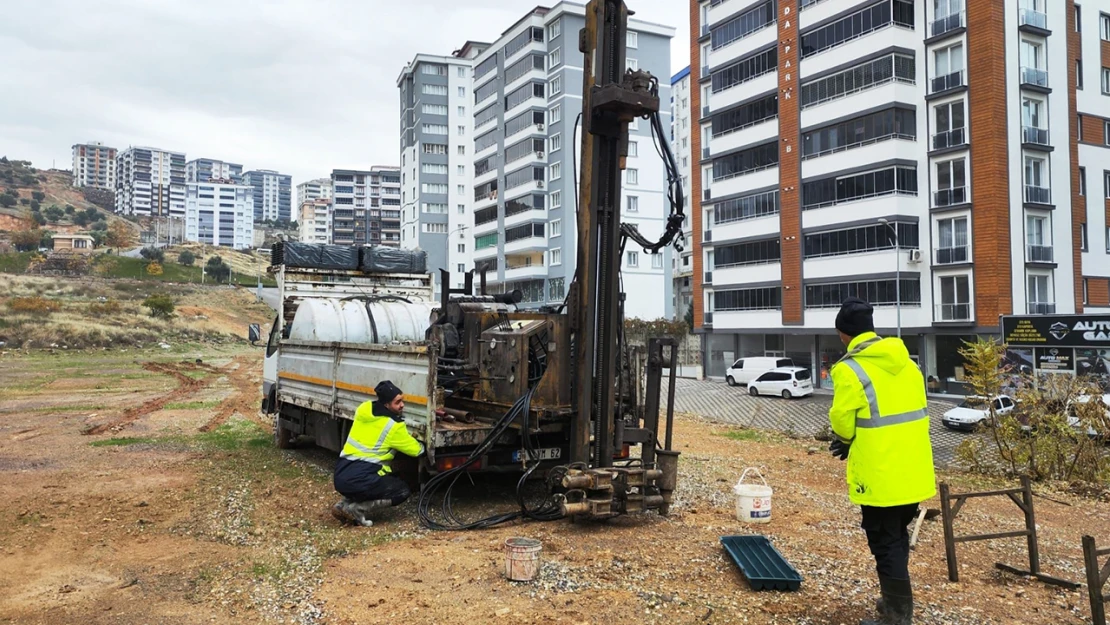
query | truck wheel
(731,381)
(283,437)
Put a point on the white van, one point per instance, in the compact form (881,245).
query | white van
(745,370)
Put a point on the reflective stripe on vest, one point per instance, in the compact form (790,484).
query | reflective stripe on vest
(377,450)
(877,421)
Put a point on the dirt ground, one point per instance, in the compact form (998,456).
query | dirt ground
(141,489)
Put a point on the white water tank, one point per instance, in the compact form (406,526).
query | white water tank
(359,321)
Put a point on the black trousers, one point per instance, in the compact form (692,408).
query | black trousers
(888,537)
(359,481)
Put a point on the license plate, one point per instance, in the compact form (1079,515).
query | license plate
(546,453)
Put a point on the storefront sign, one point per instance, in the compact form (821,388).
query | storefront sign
(1055,359)
(1057,330)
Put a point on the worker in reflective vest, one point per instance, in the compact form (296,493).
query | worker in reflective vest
(880,423)
(362,474)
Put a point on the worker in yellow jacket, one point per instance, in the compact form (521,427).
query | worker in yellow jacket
(362,473)
(880,423)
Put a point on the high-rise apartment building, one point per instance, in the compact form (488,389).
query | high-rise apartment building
(437,164)
(150,182)
(273,194)
(366,206)
(218,213)
(683,125)
(319,189)
(527,89)
(935,158)
(205,169)
(314,221)
(94,165)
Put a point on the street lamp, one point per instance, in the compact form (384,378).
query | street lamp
(897,272)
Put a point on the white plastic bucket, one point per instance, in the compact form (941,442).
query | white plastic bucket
(522,559)
(753,501)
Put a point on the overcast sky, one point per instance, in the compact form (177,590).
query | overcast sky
(301,86)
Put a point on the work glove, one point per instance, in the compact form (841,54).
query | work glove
(839,448)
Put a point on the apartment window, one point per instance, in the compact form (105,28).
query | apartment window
(556,199)
(955,299)
(1106,81)
(435,209)
(633,259)
(633,204)
(751,253)
(633,149)
(1079,29)
(896,67)
(461,170)
(632,64)
(839,190)
(1106,133)
(1036,181)
(952,241)
(950,125)
(461,131)
(1108,240)
(748,22)
(555,115)
(432,168)
(462,92)
(435,129)
(632,40)
(461,209)
(876,292)
(769,298)
(485,241)
(1082,181)
(554,29)
(1079,74)
(555,257)
(556,85)
(1083,244)
(1040,295)
(951,183)
(632,176)
(948,68)
(434,90)
(461,191)
(753,159)
(434,109)
(1104,26)
(859,240)
(461,150)
(555,228)
(1085,287)
(526,231)
(435,228)
(555,58)
(523,176)
(485,141)
(434,188)
(435,148)
(555,143)
(657,261)
(435,70)
(746,69)
(556,171)
(1038,238)
(891,123)
(856,25)
(748,207)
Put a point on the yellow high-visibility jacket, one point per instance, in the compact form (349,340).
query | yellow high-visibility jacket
(879,406)
(374,438)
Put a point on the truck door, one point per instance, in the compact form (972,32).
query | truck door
(270,368)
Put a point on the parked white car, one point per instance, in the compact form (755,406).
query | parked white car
(788,382)
(745,370)
(974,410)
(1073,420)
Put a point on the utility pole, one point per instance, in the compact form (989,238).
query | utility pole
(897,272)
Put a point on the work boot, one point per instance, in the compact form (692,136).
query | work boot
(362,508)
(342,513)
(895,607)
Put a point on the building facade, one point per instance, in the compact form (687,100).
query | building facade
(205,169)
(835,159)
(527,95)
(319,189)
(683,125)
(94,165)
(437,166)
(273,194)
(220,214)
(150,182)
(366,206)
(314,221)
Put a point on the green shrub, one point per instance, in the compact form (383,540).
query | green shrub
(186,258)
(160,305)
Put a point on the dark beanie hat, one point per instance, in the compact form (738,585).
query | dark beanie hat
(386,391)
(855,317)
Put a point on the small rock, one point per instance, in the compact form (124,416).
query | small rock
(503,612)
(66,589)
(141,504)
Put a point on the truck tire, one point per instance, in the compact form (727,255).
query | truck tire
(283,437)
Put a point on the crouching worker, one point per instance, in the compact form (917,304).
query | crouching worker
(362,474)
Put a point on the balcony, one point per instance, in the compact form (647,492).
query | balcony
(950,139)
(947,24)
(1036,79)
(953,313)
(950,197)
(1037,195)
(1038,253)
(1033,21)
(1040,308)
(1034,136)
(952,255)
(531,243)
(947,82)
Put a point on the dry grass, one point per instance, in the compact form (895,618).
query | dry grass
(249,263)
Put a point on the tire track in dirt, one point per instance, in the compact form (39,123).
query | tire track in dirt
(245,398)
(187,386)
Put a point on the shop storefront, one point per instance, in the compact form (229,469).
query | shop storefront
(1058,344)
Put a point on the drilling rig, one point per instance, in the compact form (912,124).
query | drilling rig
(554,392)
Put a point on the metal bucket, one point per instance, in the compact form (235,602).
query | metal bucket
(522,559)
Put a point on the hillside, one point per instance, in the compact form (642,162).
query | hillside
(23,181)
